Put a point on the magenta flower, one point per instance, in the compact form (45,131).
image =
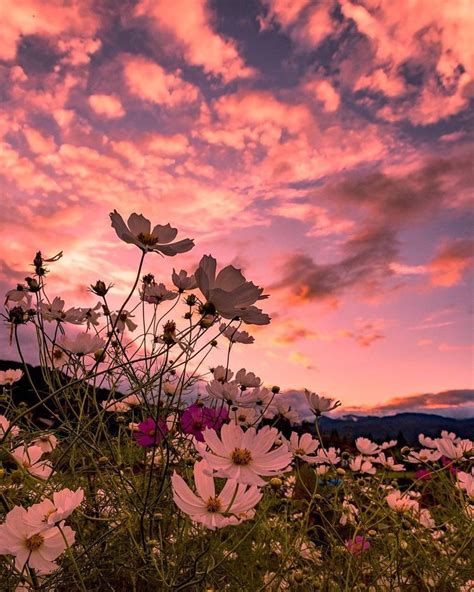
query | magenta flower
(357,545)
(196,418)
(150,432)
(423,474)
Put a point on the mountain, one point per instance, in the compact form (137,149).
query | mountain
(404,427)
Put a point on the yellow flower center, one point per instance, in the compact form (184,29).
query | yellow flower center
(147,239)
(300,452)
(214,504)
(241,456)
(34,542)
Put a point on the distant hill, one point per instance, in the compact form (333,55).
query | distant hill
(404,427)
(391,426)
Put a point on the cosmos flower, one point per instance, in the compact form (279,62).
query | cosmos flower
(229,293)
(36,546)
(367,447)
(156,293)
(235,336)
(48,513)
(426,441)
(222,374)
(47,442)
(247,379)
(150,432)
(329,456)
(138,232)
(424,455)
(5,424)
(83,343)
(29,457)
(359,464)
(183,281)
(452,449)
(54,311)
(388,462)
(10,376)
(401,503)
(245,455)
(196,418)
(357,545)
(230,506)
(244,416)
(303,446)
(224,391)
(466,481)
(320,404)
(349,513)
(124,320)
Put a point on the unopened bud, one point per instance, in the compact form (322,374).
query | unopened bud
(2,473)
(372,532)
(276,482)
(33,284)
(340,471)
(298,577)
(275,389)
(405,450)
(99,288)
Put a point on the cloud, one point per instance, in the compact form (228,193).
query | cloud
(106,105)
(35,17)
(150,82)
(365,264)
(452,261)
(190,24)
(450,398)
(324,92)
(365,334)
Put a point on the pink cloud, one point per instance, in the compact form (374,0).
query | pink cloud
(190,23)
(324,92)
(35,17)
(150,82)
(451,262)
(38,142)
(106,105)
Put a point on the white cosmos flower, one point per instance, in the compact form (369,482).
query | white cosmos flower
(245,455)
(82,344)
(183,281)
(138,232)
(303,446)
(454,449)
(234,503)
(360,464)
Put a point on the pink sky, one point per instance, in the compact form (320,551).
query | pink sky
(322,147)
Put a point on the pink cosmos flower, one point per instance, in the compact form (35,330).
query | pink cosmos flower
(182,281)
(10,376)
(234,503)
(426,441)
(224,391)
(123,321)
(359,464)
(424,455)
(138,232)
(235,336)
(54,311)
(388,462)
(48,513)
(329,456)
(83,344)
(466,481)
(4,425)
(245,416)
(150,432)
(303,446)
(37,547)
(47,442)
(247,379)
(196,418)
(357,545)
(402,503)
(245,455)
(320,404)
(229,293)
(29,458)
(454,450)
(349,513)
(367,447)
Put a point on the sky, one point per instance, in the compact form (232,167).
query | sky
(323,147)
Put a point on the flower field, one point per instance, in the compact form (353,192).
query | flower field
(186,477)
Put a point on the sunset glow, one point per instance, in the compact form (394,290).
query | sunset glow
(321,147)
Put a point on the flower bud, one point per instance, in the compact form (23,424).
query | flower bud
(275,389)
(188,315)
(33,284)
(340,471)
(405,450)
(372,532)
(2,472)
(276,482)
(298,577)
(99,288)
